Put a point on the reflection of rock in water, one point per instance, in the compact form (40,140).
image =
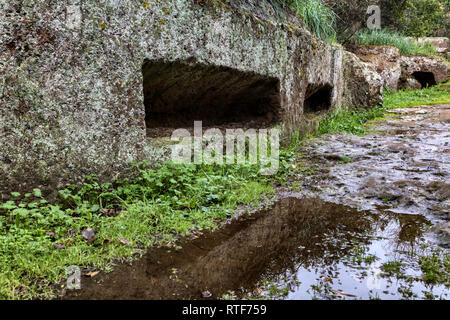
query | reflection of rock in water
(294,232)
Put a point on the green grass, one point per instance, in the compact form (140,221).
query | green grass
(316,14)
(385,37)
(350,121)
(354,120)
(157,207)
(408,98)
(318,17)
(436,268)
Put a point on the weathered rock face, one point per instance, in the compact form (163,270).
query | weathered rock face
(396,71)
(420,71)
(80,78)
(363,85)
(385,60)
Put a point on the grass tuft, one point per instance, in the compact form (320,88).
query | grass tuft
(386,37)
(318,17)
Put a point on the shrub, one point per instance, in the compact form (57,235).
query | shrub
(416,18)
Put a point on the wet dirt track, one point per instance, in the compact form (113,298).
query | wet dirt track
(402,165)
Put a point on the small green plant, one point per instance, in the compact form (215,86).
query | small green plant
(350,121)
(436,268)
(391,268)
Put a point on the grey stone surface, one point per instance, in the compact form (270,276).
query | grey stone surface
(71,92)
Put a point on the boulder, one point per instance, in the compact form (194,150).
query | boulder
(385,60)
(82,82)
(363,85)
(426,70)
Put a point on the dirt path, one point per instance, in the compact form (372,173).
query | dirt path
(402,165)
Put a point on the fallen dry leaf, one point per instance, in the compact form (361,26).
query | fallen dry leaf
(92,274)
(59,246)
(342,294)
(124,241)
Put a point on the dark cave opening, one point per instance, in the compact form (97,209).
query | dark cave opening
(426,79)
(178,93)
(318,99)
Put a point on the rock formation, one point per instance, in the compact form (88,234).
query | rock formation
(79,79)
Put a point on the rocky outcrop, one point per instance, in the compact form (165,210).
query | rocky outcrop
(401,72)
(422,71)
(363,85)
(81,80)
(385,60)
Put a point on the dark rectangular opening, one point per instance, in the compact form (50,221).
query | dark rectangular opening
(318,99)
(178,93)
(426,79)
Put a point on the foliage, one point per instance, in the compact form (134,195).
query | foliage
(39,240)
(436,268)
(419,18)
(319,18)
(416,18)
(351,121)
(386,37)
(316,15)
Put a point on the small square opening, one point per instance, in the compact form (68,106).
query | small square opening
(318,99)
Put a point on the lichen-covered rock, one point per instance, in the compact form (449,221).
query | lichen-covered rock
(71,72)
(410,83)
(425,70)
(363,85)
(385,60)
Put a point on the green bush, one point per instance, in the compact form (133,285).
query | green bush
(422,18)
(415,18)
(388,38)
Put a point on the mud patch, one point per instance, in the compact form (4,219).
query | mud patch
(393,167)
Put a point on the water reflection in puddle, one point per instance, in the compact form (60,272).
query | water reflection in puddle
(299,249)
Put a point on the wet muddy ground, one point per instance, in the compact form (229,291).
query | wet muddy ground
(368,219)
(403,165)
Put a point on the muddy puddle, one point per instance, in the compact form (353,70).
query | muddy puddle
(298,249)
